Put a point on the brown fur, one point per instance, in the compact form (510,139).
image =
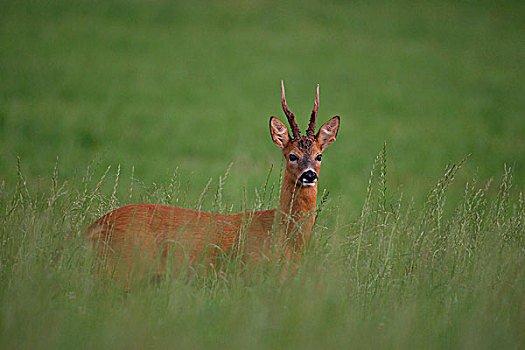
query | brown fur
(139,238)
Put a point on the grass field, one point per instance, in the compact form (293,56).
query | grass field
(169,94)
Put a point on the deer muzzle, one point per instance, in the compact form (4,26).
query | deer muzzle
(308,178)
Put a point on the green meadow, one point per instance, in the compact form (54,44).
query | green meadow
(419,239)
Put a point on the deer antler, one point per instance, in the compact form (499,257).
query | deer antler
(311,126)
(291,118)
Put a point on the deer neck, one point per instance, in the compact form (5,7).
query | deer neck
(297,211)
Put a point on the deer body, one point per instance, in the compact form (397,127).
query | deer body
(140,238)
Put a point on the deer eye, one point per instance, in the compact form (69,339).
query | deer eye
(318,158)
(293,157)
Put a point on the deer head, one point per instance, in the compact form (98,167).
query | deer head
(302,153)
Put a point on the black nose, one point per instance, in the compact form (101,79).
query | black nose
(308,177)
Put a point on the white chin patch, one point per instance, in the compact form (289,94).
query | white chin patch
(309,184)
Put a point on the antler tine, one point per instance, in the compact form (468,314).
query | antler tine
(313,117)
(291,118)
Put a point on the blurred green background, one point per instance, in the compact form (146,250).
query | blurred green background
(161,85)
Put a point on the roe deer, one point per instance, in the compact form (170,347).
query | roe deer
(150,233)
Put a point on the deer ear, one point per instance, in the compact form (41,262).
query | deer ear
(279,132)
(328,132)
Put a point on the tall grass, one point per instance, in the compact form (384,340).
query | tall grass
(398,275)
